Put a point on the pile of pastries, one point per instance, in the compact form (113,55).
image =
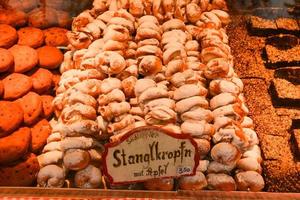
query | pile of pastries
(29,60)
(163,63)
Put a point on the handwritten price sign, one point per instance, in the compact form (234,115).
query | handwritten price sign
(150,152)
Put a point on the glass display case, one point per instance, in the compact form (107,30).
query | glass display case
(179,99)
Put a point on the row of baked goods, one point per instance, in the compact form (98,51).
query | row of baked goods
(32,37)
(28,5)
(40,13)
(43,17)
(139,69)
(85,27)
(28,61)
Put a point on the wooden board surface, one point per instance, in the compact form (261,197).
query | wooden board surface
(47,193)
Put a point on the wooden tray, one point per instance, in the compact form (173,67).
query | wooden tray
(66,194)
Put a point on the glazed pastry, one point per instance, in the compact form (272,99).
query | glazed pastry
(221,182)
(216,167)
(51,176)
(82,159)
(249,181)
(225,153)
(88,178)
(196,182)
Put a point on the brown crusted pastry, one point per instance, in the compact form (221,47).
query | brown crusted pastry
(50,57)
(41,80)
(39,134)
(6,60)
(56,4)
(16,85)
(11,116)
(64,19)
(25,58)
(30,36)
(22,173)
(56,36)
(14,146)
(13,17)
(8,36)
(31,104)
(221,182)
(24,5)
(42,17)
(47,105)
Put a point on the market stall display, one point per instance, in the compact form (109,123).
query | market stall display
(154,67)
(274,107)
(29,62)
(179,66)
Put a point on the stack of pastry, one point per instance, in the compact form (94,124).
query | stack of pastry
(76,150)
(162,9)
(113,108)
(159,109)
(183,69)
(85,92)
(115,59)
(148,54)
(235,143)
(28,78)
(187,11)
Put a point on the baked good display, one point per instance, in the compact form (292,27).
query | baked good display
(261,25)
(25,58)
(30,36)
(11,117)
(40,14)
(271,21)
(22,5)
(56,36)
(31,104)
(26,95)
(47,106)
(282,50)
(49,57)
(133,63)
(39,134)
(167,65)
(12,90)
(21,173)
(15,145)
(13,17)
(274,106)
(6,60)
(8,36)
(42,81)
